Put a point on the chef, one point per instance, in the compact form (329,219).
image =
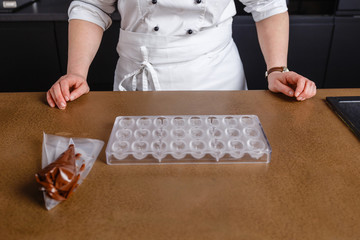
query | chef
(176,45)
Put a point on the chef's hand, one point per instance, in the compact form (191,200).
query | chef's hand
(292,85)
(68,88)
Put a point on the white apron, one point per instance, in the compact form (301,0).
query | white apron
(206,59)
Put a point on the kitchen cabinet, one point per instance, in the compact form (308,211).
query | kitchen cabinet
(344,60)
(29,58)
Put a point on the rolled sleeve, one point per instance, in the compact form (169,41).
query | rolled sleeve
(94,11)
(261,9)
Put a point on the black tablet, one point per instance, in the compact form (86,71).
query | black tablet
(348,109)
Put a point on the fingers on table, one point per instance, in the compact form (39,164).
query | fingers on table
(55,96)
(83,88)
(67,88)
(283,88)
(49,99)
(305,89)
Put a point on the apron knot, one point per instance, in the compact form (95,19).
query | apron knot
(147,72)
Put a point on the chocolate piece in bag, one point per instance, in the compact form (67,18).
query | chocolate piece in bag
(60,178)
(66,162)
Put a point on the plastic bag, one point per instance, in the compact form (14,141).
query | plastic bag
(53,146)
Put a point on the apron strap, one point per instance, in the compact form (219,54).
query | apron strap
(146,69)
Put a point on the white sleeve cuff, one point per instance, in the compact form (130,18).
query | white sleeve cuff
(90,13)
(261,9)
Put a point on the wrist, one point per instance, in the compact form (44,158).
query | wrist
(77,74)
(276,69)
(79,69)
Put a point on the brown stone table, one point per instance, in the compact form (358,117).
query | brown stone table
(309,190)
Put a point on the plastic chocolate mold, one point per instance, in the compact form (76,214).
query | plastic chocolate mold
(187,139)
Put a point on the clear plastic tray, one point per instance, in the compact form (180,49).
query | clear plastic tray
(187,139)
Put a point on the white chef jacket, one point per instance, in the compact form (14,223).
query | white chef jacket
(175,44)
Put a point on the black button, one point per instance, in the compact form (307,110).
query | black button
(156,28)
(189,31)
(198,1)
(154,1)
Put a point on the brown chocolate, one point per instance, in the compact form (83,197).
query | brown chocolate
(59,179)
